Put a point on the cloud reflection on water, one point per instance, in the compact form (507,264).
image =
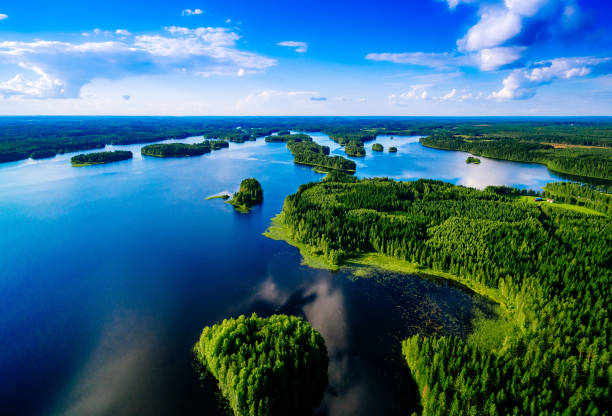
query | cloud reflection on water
(115,379)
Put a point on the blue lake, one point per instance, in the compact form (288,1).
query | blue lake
(108,273)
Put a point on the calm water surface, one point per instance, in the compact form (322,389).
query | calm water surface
(108,273)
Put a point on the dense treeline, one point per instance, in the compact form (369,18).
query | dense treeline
(312,154)
(182,149)
(550,267)
(266,366)
(38,137)
(564,132)
(472,159)
(580,194)
(249,194)
(377,147)
(593,163)
(100,157)
(284,138)
(343,139)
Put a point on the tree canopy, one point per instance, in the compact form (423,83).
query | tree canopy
(266,366)
(249,194)
(97,158)
(548,265)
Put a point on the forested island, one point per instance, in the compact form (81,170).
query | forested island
(377,147)
(354,148)
(578,146)
(265,366)
(392,149)
(548,266)
(284,138)
(353,142)
(473,160)
(312,154)
(182,149)
(249,195)
(99,158)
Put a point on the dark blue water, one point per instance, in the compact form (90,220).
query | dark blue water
(108,273)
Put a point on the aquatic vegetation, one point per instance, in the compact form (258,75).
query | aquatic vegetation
(473,160)
(266,366)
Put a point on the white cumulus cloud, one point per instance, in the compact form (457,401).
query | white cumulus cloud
(494,58)
(496,26)
(122,32)
(416,92)
(56,69)
(192,12)
(3,16)
(450,95)
(300,47)
(522,83)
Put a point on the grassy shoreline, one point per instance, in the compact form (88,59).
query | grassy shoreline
(311,257)
(222,196)
(80,165)
(322,168)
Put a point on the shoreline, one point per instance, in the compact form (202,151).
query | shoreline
(311,258)
(571,175)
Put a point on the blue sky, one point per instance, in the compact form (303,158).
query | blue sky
(427,57)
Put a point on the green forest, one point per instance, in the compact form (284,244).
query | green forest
(591,162)
(392,149)
(548,266)
(353,142)
(377,147)
(265,366)
(249,195)
(472,159)
(21,138)
(354,148)
(284,138)
(98,158)
(312,154)
(182,149)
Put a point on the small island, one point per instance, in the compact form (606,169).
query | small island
(473,160)
(99,158)
(249,195)
(265,366)
(354,148)
(176,149)
(377,147)
(317,156)
(393,149)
